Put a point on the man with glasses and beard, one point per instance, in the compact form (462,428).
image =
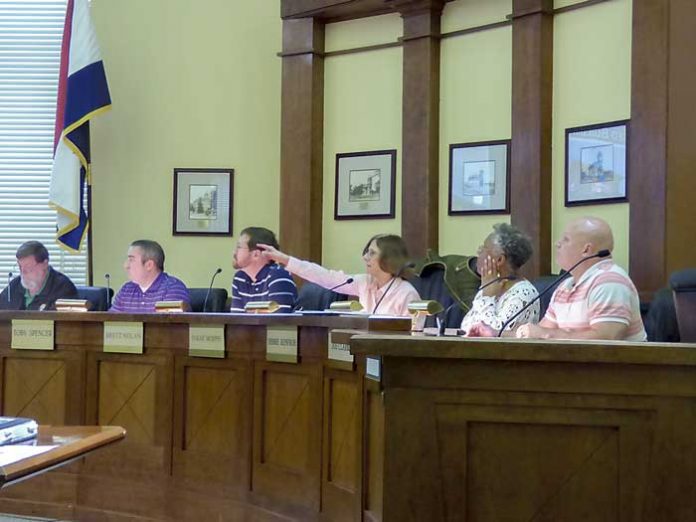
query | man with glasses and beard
(39,285)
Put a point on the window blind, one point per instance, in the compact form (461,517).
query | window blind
(31,32)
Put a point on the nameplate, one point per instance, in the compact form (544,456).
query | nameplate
(281,344)
(32,334)
(339,349)
(123,337)
(373,368)
(207,340)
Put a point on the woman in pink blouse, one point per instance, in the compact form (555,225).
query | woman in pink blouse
(382,290)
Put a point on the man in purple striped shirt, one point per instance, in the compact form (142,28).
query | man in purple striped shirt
(149,283)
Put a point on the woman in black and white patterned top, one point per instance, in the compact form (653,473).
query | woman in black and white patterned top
(503,292)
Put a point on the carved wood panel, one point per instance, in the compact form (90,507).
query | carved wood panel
(35,388)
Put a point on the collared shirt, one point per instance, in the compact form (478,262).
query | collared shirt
(395,302)
(273,283)
(28,298)
(131,298)
(604,293)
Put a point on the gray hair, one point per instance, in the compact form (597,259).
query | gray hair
(34,249)
(516,246)
(150,250)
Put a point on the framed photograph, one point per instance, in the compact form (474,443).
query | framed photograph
(595,170)
(365,185)
(203,202)
(479,178)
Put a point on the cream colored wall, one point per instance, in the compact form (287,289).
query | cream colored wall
(191,87)
(362,111)
(591,84)
(475,104)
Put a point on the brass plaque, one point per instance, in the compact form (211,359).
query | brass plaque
(32,334)
(123,337)
(339,351)
(281,344)
(207,340)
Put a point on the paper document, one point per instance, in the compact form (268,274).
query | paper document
(12,454)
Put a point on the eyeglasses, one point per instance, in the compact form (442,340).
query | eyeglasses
(370,253)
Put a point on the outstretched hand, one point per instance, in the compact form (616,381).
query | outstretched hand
(271,253)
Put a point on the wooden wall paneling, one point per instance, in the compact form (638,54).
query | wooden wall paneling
(661,155)
(532,96)
(302,137)
(342,445)
(286,468)
(681,153)
(420,123)
(647,147)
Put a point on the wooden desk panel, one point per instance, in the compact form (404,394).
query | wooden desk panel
(209,439)
(508,430)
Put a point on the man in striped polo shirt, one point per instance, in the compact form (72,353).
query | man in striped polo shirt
(257,278)
(599,300)
(148,283)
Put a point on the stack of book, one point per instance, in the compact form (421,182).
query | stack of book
(17,429)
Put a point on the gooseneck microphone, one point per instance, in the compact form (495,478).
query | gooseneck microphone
(600,254)
(410,264)
(108,291)
(442,318)
(9,288)
(344,283)
(207,294)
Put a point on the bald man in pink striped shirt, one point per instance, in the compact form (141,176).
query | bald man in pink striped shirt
(599,300)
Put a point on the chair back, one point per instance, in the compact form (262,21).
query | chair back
(97,296)
(660,321)
(683,285)
(431,286)
(314,297)
(542,283)
(216,300)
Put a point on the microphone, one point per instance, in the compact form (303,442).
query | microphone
(9,289)
(442,323)
(498,279)
(410,264)
(205,302)
(108,291)
(346,282)
(600,254)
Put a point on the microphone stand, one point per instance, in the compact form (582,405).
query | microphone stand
(205,302)
(9,288)
(600,254)
(108,291)
(344,283)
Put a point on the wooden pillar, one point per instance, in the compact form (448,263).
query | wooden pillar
(420,123)
(302,136)
(662,155)
(532,91)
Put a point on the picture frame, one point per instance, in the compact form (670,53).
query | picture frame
(203,202)
(596,167)
(365,185)
(479,178)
